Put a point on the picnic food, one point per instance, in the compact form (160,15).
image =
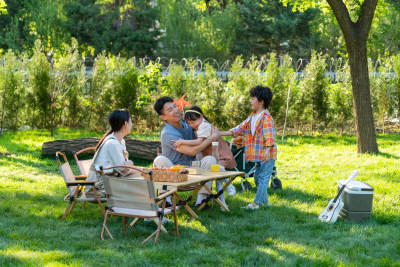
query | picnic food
(170,175)
(176,168)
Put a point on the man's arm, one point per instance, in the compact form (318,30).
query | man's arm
(194,150)
(195,142)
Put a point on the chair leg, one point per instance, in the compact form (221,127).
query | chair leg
(134,221)
(175,218)
(105,228)
(98,200)
(73,203)
(73,206)
(158,230)
(133,229)
(156,220)
(150,236)
(66,212)
(124,223)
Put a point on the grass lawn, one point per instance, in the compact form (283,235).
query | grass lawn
(287,233)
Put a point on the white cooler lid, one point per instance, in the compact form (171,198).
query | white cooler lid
(357,186)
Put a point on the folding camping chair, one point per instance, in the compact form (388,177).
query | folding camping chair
(129,197)
(75,186)
(83,165)
(249,167)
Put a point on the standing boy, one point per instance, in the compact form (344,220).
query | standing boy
(259,132)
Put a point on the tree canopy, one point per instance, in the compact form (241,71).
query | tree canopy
(190,28)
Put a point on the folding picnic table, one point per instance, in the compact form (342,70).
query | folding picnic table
(200,180)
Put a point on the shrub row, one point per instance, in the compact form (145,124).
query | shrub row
(43,93)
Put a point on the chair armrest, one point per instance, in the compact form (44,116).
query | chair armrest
(85,149)
(80,177)
(137,168)
(74,183)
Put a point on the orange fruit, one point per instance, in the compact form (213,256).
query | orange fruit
(174,168)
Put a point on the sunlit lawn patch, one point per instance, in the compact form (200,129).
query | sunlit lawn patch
(287,233)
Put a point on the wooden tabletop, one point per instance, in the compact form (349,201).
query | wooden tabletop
(204,176)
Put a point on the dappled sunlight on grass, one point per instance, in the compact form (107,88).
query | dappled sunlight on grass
(38,257)
(287,233)
(195,225)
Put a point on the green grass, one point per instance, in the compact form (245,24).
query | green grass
(288,233)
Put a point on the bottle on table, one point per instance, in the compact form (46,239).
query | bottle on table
(215,167)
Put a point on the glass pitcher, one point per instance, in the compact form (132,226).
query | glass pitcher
(215,153)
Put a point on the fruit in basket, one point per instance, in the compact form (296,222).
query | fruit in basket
(176,168)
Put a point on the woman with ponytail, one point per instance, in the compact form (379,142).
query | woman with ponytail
(111,150)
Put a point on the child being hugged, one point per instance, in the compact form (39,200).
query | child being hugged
(260,148)
(200,123)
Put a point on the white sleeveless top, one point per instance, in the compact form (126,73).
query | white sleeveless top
(112,153)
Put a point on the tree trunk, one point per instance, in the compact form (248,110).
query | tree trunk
(51,120)
(355,35)
(136,148)
(364,120)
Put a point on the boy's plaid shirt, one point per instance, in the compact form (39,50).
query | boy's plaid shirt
(264,136)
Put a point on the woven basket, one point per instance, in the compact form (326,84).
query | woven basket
(165,175)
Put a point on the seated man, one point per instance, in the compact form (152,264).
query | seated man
(175,128)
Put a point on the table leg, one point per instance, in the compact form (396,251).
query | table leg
(186,206)
(216,196)
(217,200)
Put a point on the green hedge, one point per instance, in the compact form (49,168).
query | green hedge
(44,93)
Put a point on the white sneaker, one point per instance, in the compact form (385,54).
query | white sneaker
(223,208)
(251,207)
(165,220)
(231,190)
(267,204)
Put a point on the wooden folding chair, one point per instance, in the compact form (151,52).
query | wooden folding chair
(75,186)
(83,165)
(130,197)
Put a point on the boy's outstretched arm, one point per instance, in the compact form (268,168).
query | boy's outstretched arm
(227,133)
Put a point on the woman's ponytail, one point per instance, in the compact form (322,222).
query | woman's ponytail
(116,120)
(104,137)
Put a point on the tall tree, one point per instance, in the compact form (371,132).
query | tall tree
(354,19)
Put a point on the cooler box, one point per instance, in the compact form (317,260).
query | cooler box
(357,199)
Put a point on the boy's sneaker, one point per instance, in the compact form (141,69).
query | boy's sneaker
(251,207)
(231,190)
(266,204)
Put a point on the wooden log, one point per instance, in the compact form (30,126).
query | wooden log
(137,148)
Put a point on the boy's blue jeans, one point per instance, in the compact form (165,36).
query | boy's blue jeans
(261,178)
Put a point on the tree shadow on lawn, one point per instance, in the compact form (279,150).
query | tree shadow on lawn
(387,155)
(286,192)
(259,239)
(35,227)
(262,232)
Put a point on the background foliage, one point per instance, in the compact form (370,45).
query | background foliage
(186,28)
(42,92)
